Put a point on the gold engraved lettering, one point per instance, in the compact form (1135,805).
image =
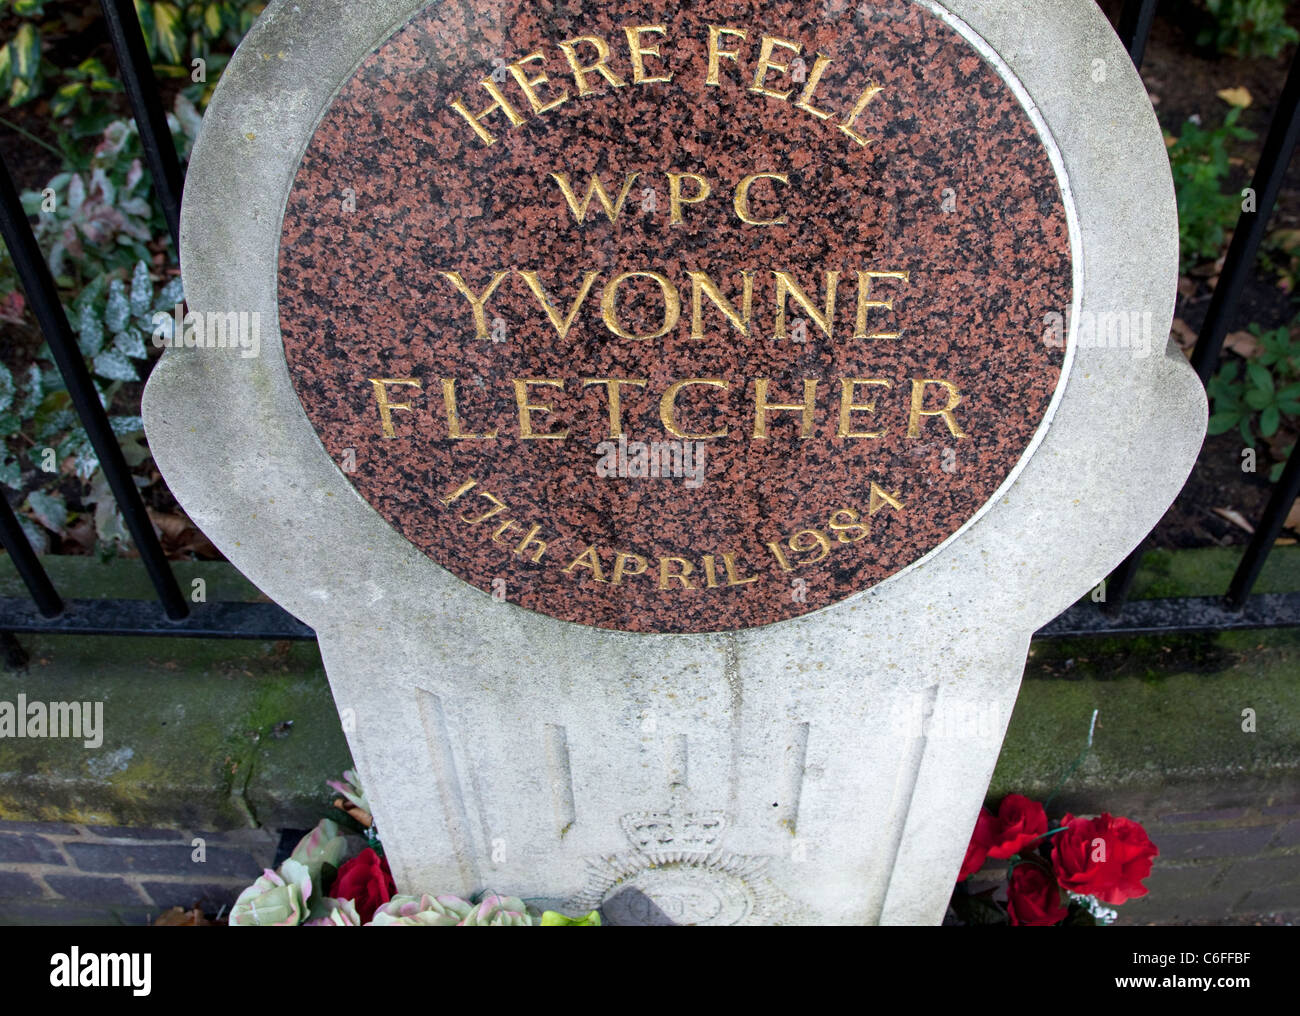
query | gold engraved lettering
(589,560)
(561,326)
(781,559)
(683,575)
(672,306)
(629,564)
(733,574)
(858,109)
(386,408)
(639,52)
(580,72)
(742,199)
(711,571)
(848,527)
(677,200)
(530,541)
(702,286)
(499,103)
(762,407)
(529,85)
(820,543)
(499,507)
(597,190)
(502,529)
(479,303)
(810,89)
(668,408)
(880,500)
(848,406)
(614,388)
(787,287)
(865,303)
(766,64)
(717,54)
(455,430)
(527,409)
(918,410)
(458,493)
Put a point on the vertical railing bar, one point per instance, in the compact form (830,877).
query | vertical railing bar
(1135,27)
(1266,533)
(43,297)
(27,563)
(146,103)
(1273,162)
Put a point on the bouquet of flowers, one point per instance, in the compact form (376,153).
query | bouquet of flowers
(1071,873)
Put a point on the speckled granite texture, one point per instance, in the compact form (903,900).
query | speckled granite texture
(395,189)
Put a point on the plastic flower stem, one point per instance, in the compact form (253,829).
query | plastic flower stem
(1092,729)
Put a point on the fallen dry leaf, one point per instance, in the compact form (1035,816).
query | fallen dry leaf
(180,537)
(178,917)
(362,817)
(1293,519)
(1242,343)
(1187,287)
(1183,335)
(1235,517)
(1239,96)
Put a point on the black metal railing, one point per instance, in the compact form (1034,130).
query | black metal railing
(173,615)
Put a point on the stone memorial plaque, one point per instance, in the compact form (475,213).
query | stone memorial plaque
(675,419)
(691,325)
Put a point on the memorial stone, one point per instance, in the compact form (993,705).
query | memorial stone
(675,419)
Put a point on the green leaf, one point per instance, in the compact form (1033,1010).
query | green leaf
(7,388)
(26,45)
(117,312)
(131,343)
(1221,423)
(65,98)
(1257,399)
(20,92)
(170,32)
(172,294)
(29,8)
(1260,377)
(1269,421)
(144,11)
(212,20)
(141,290)
(114,366)
(36,536)
(11,474)
(49,510)
(90,331)
(552,919)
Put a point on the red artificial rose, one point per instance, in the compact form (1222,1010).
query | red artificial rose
(366,881)
(1104,857)
(1034,898)
(978,850)
(1019,823)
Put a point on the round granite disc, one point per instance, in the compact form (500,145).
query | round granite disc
(558,390)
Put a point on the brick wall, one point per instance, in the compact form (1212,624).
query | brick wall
(76,874)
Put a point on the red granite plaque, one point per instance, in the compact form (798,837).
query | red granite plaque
(676,317)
